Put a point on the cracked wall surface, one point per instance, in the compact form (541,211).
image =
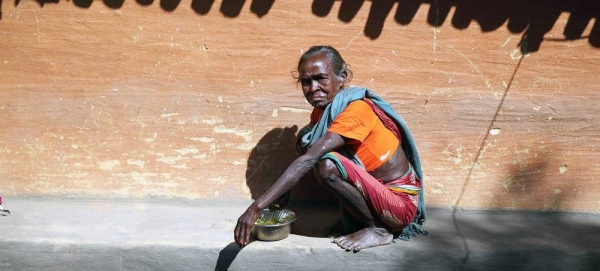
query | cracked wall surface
(195,101)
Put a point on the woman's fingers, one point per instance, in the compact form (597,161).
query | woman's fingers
(242,230)
(236,234)
(243,238)
(240,233)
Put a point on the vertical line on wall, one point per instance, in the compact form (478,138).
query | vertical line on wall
(458,200)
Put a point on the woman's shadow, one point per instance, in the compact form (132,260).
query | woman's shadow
(271,156)
(273,153)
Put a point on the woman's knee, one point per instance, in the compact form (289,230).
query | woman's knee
(327,172)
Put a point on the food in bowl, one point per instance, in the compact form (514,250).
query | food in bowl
(273,225)
(274,221)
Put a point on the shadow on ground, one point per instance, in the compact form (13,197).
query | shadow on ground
(226,256)
(517,240)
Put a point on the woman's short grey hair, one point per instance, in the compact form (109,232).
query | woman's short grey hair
(339,65)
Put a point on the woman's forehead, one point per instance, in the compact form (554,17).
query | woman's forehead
(316,65)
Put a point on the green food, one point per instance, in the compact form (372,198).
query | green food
(262,221)
(273,221)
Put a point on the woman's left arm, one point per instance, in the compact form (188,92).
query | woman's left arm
(291,176)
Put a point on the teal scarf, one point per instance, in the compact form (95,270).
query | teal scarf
(339,103)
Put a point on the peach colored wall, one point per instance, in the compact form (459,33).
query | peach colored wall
(194,99)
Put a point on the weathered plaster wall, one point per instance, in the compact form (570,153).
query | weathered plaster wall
(194,99)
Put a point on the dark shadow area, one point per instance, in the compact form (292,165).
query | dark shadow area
(273,153)
(377,15)
(510,240)
(169,5)
(202,7)
(145,2)
(533,18)
(271,156)
(315,218)
(41,2)
(226,256)
(524,181)
(83,3)
(261,7)
(406,11)
(114,4)
(350,8)
(229,8)
(322,8)
(232,8)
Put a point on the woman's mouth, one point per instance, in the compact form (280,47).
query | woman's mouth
(318,98)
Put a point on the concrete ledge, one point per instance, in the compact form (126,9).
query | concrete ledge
(104,234)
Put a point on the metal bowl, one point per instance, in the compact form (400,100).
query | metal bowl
(276,231)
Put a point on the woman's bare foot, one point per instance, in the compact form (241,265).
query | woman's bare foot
(365,238)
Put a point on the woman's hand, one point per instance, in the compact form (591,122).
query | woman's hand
(244,226)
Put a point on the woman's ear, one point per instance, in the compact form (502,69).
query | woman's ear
(343,78)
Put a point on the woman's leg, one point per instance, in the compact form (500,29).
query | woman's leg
(395,209)
(350,199)
(371,232)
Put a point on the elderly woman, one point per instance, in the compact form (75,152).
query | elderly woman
(360,150)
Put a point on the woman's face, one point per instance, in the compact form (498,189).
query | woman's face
(319,82)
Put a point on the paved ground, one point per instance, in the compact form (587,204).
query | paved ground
(87,234)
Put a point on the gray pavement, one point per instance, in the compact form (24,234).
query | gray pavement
(154,234)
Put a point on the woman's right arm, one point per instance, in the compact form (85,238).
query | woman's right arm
(288,179)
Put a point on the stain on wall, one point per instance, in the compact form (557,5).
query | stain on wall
(194,99)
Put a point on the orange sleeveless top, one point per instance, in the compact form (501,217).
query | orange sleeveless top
(364,132)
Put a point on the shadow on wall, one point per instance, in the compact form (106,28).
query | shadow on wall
(533,18)
(525,185)
(229,8)
(271,156)
(510,232)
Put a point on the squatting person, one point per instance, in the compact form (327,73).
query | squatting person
(360,150)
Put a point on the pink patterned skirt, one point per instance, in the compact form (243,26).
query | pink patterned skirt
(395,202)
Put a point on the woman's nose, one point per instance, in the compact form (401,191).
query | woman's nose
(314,85)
